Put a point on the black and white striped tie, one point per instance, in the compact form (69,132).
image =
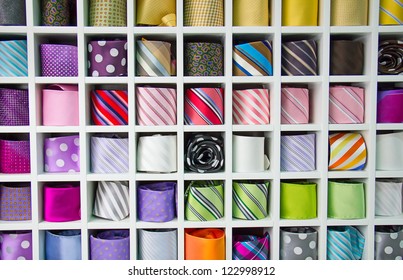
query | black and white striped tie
(112,201)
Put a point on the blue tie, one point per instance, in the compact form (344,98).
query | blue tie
(13,58)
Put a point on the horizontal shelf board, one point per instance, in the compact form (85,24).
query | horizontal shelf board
(268,175)
(43,30)
(15,129)
(388,174)
(300,127)
(56,80)
(163,30)
(301,79)
(14,80)
(390,78)
(264,30)
(349,127)
(156,80)
(203,80)
(251,79)
(50,129)
(204,128)
(19,30)
(347,174)
(203,30)
(59,177)
(337,222)
(241,127)
(302,29)
(107,128)
(355,30)
(157,176)
(16,225)
(96,221)
(150,225)
(295,223)
(237,223)
(300,175)
(393,29)
(349,79)
(16,177)
(105,224)
(204,176)
(384,221)
(106,80)
(157,128)
(59,226)
(389,126)
(89,30)
(108,177)
(205,224)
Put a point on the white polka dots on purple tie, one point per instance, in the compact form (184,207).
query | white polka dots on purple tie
(107,58)
(62,154)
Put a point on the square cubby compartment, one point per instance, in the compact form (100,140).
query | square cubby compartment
(299,243)
(14,56)
(347,242)
(251,243)
(60,244)
(205,243)
(15,153)
(109,244)
(60,13)
(14,105)
(389,102)
(15,202)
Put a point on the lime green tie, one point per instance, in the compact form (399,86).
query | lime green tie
(346,200)
(298,201)
(249,200)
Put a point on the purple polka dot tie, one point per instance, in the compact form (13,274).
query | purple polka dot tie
(107,58)
(62,154)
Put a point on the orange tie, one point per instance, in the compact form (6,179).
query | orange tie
(204,244)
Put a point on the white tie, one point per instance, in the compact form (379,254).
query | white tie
(388,198)
(158,244)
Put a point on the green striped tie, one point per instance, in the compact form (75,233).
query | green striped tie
(250,200)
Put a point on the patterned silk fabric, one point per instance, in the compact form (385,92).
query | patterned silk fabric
(253,59)
(204,59)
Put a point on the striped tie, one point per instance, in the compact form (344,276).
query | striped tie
(346,104)
(155,106)
(109,154)
(250,200)
(153,58)
(251,247)
(347,151)
(344,243)
(204,201)
(109,107)
(112,201)
(158,244)
(13,58)
(388,198)
(251,106)
(294,105)
(391,12)
(204,106)
(298,153)
(299,58)
(253,59)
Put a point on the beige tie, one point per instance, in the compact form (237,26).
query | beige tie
(349,12)
(156,12)
(251,13)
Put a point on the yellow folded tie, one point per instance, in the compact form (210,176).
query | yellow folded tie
(300,13)
(156,12)
(391,12)
(349,13)
(251,13)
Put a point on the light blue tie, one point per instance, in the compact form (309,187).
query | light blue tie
(344,243)
(13,58)
(63,245)
(298,153)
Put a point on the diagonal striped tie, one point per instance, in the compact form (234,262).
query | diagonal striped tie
(109,154)
(298,152)
(388,198)
(346,104)
(13,58)
(391,12)
(153,58)
(294,105)
(253,59)
(299,58)
(251,106)
(112,201)
(344,243)
(251,247)
(158,244)
(250,200)
(109,107)
(204,106)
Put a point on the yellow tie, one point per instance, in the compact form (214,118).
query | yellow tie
(391,12)
(156,12)
(251,13)
(300,13)
(349,13)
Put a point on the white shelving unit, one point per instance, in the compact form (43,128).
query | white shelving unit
(318,85)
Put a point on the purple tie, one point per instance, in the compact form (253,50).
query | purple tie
(110,245)
(14,109)
(62,154)
(16,245)
(107,58)
(390,104)
(59,60)
(14,156)
(15,203)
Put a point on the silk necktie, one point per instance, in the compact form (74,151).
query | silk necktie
(156,202)
(12,12)
(391,12)
(346,104)
(249,154)
(56,12)
(109,154)
(109,107)
(346,57)
(298,152)
(15,156)
(251,106)
(299,58)
(349,12)
(204,106)
(15,203)
(204,244)
(346,200)
(61,203)
(294,105)
(204,153)
(60,105)
(389,106)
(253,59)
(107,58)
(13,58)
(300,13)
(388,243)
(59,60)
(203,13)
(298,201)
(154,58)
(155,106)
(390,56)
(110,245)
(62,154)
(250,200)
(389,151)
(158,244)
(251,13)
(298,243)
(156,13)
(388,198)
(251,247)
(63,245)
(112,200)
(108,13)
(344,243)
(14,107)
(204,201)
(16,245)
(204,59)
(348,151)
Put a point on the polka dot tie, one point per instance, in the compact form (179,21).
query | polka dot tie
(388,243)
(16,246)
(15,203)
(14,156)
(110,245)
(62,154)
(298,243)
(107,58)
(59,60)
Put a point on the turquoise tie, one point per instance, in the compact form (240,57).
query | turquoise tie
(13,58)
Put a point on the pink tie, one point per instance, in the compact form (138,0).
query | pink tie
(346,104)
(294,105)
(251,106)
(61,203)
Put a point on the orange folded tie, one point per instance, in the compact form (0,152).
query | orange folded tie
(204,244)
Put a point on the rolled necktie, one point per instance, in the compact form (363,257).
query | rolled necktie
(294,105)
(156,13)
(298,152)
(389,151)
(15,203)
(250,200)
(56,12)
(204,106)
(346,200)
(59,60)
(346,104)
(155,106)
(348,151)
(204,201)
(204,153)
(60,105)
(249,154)
(107,58)
(346,57)
(298,201)
(61,203)
(251,247)
(154,59)
(204,59)
(203,13)
(251,106)
(110,245)
(15,156)
(112,200)
(14,107)
(388,198)
(63,245)
(299,58)
(389,106)
(158,244)
(16,245)
(388,243)
(344,243)
(251,13)
(390,56)
(109,154)
(12,12)
(156,202)
(390,12)
(298,243)
(300,13)
(62,154)
(253,59)
(157,153)
(13,58)
(107,13)
(109,107)
(349,13)
(204,244)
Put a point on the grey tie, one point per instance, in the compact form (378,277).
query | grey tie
(12,12)
(388,198)
(112,201)
(158,244)
(298,243)
(389,243)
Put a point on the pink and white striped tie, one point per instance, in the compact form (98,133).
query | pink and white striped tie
(294,105)
(251,106)
(346,104)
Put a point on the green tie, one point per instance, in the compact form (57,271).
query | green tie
(346,200)
(249,200)
(298,201)
(108,13)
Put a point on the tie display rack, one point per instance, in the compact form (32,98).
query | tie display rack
(81,34)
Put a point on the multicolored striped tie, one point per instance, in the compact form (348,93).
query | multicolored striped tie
(298,152)
(13,58)
(251,247)
(347,151)
(344,243)
(346,104)
(154,58)
(204,106)
(112,201)
(109,107)
(294,105)
(299,58)
(251,106)
(391,12)
(250,200)
(253,59)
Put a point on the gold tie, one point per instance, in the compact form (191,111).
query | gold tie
(251,13)
(391,12)
(349,13)
(300,13)
(156,12)
(203,13)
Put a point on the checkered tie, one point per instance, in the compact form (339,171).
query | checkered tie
(251,247)
(108,13)
(203,13)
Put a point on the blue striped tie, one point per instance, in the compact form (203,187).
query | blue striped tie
(344,243)
(253,59)
(13,58)
(298,153)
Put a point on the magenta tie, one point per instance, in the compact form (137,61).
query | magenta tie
(61,203)
(59,60)
(14,156)
(16,245)
(14,108)
(390,104)
(62,154)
